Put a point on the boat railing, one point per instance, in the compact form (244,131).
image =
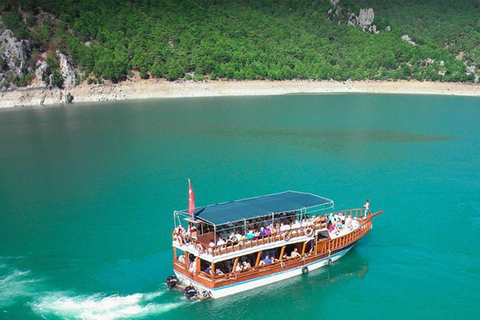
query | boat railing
(314,226)
(325,247)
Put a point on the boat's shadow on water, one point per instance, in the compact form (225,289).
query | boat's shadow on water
(352,266)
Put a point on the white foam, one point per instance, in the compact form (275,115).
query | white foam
(14,285)
(103,307)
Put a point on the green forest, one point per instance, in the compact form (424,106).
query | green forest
(257,39)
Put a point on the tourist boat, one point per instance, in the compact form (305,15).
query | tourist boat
(230,247)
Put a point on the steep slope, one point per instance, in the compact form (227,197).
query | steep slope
(262,39)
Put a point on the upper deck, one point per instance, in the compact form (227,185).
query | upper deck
(213,247)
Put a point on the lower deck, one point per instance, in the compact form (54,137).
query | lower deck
(291,258)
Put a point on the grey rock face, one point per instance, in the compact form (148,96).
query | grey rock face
(14,52)
(365,18)
(68,73)
(407,39)
(470,69)
(41,74)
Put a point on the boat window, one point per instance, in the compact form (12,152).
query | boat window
(206,267)
(180,256)
(309,247)
(292,250)
(322,235)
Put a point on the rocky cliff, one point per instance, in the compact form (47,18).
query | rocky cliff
(19,68)
(14,55)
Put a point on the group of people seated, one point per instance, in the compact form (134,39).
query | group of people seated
(338,222)
(265,228)
(192,264)
(244,263)
(264,231)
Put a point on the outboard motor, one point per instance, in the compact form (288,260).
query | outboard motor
(172,282)
(190,292)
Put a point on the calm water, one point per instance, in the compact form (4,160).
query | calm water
(87,194)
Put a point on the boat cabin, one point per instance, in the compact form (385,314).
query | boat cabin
(240,234)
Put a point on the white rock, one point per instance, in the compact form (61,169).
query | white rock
(14,52)
(68,73)
(470,69)
(365,18)
(407,39)
(41,74)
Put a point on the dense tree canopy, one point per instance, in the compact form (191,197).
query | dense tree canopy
(257,39)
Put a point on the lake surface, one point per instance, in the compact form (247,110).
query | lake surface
(87,194)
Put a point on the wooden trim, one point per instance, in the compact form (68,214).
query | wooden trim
(235,263)
(259,255)
(377,213)
(303,247)
(198,266)
(324,248)
(281,252)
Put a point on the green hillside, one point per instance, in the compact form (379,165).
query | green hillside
(258,39)
(453,25)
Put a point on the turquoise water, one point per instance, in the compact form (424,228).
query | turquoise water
(87,194)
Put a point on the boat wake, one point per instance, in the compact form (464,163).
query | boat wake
(99,306)
(15,285)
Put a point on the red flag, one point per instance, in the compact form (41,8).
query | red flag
(191,199)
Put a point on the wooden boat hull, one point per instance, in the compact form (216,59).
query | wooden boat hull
(264,280)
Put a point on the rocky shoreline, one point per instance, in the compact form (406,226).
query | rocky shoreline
(153,89)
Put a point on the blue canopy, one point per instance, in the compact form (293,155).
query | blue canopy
(238,210)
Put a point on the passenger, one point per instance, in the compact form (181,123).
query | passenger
(268,231)
(304,223)
(338,226)
(294,253)
(331,228)
(220,242)
(274,230)
(211,246)
(239,267)
(250,235)
(348,223)
(266,260)
(330,217)
(193,266)
(296,225)
(208,270)
(219,272)
(366,206)
(246,265)
(262,232)
(181,258)
(282,228)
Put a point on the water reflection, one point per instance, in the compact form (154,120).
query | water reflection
(314,284)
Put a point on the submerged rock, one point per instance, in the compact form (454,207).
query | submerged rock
(69,98)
